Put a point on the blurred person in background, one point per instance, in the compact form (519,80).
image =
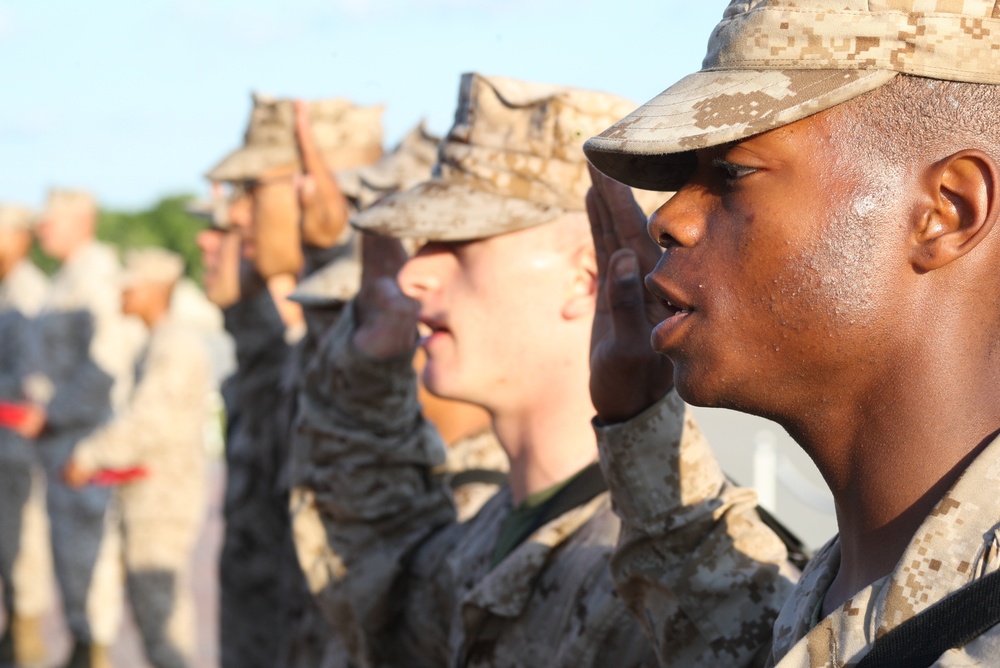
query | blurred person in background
(25,549)
(158,439)
(82,372)
(291,218)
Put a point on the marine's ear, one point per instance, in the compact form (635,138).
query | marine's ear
(581,293)
(961,207)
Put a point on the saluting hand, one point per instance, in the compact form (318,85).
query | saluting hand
(324,207)
(627,375)
(386,319)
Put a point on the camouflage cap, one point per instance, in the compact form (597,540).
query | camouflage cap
(347,136)
(213,211)
(335,283)
(512,160)
(152,266)
(15,217)
(59,198)
(773,62)
(407,165)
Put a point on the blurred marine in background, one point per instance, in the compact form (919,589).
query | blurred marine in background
(158,438)
(82,373)
(25,550)
(286,230)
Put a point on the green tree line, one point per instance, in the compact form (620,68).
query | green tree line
(166,224)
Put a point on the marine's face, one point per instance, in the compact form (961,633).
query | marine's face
(274,204)
(487,308)
(778,267)
(62,229)
(136,299)
(14,246)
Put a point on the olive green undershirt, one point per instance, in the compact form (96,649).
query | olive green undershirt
(521,517)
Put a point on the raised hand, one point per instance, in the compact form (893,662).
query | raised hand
(324,207)
(626,374)
(386,319)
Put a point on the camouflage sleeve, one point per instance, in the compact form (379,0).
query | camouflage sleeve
(694,562)
(256,327)
(175,378)
(367,457)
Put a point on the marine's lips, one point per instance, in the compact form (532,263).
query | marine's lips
(429,328)
(679,310)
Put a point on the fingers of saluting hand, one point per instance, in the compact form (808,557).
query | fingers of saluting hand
(381,257)
(621,222)
(312,160)
(386,318)
(626,299)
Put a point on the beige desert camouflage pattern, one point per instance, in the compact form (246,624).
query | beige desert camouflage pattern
(512,160)
(772,62)
(152,266)
(407,584)
(958,543)
(324,295)
(25,548)
(408,164)
(347,135)
(160,429)
(694,562)
(82,370)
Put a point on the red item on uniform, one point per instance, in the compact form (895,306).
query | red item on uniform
(113,477)
(12,415)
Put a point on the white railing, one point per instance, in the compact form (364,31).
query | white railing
(771,467)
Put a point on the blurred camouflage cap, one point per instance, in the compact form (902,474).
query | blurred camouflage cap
(773,62)
(156,266)
(15,217)
(213,210)
(59,198)
(336,282)
(512,160)
(408,164)
(347,136)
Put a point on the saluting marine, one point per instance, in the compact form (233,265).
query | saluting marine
(830,263)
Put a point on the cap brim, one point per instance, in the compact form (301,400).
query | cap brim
(651,147)
(249,162)
(442,211)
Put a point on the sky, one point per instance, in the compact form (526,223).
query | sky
(136,99)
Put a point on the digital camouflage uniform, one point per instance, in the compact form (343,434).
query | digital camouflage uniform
(256,519)
(770,63)
(25,548)
(407,583)
(695,562)
(160,430)
(264,618)
(958,543)
(404,581)
(323,296)
(82,369)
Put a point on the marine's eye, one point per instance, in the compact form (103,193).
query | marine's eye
(733,171)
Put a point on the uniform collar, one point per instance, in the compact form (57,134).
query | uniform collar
(506,590)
